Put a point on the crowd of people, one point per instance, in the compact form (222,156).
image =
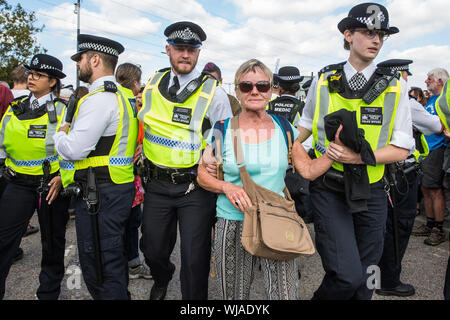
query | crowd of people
(125,158)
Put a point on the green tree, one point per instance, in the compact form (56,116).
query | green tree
(17,38)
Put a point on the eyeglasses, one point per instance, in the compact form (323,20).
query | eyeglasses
(247,86)
(372,33)
(35,75)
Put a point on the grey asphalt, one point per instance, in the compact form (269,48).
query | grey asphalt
(423,267)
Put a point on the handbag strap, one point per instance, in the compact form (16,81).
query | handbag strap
(249,185)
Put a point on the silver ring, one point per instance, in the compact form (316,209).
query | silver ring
(237,202)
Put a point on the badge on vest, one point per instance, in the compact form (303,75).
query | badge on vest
(37,134)
(182,115)
(372,115)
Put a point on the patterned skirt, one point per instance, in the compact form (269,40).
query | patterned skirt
(235,267)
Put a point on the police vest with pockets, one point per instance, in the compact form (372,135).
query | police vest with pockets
(376,119)
(113,156)
(27,139)
(173,134)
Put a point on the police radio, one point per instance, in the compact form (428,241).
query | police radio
(51,110)
(71,107)
(376,89)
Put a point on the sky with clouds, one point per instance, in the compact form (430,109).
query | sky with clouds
(302,33)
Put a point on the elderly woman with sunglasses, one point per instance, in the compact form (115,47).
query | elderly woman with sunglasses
(29,162)
(266,159)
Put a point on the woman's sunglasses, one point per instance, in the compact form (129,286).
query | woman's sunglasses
(247,86)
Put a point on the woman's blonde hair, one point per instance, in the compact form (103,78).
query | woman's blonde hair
(251,65)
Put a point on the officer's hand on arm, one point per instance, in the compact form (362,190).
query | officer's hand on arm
(340,153)
(64,128)
(210,163)
(55,186)
(446,133)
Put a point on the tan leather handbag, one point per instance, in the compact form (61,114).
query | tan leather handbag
(272,228)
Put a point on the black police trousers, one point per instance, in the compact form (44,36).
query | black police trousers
(17,205)
(115,203)
(166,204)
(406,198)
(349,245)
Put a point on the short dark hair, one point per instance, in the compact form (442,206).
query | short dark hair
(109,61)
(18,74)
(212,67)
(127,73)
(290,87)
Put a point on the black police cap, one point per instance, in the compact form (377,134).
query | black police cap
(367,15)
(396,64)
(185,33)
(288,74)
(47,63)
(87,42)
(307,84)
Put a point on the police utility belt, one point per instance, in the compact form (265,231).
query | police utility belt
(175,176)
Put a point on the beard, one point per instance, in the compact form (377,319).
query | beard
(183,68)
(86,74)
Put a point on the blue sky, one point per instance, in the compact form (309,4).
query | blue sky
(302,33)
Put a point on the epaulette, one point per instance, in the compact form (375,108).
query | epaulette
(164,69)
(61,100)
(337,67)
(20,98)
(110,86)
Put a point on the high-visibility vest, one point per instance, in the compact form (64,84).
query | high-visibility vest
(442,105)
(28,143)
(173,131)
(119,159)
(422,149)
(378,135)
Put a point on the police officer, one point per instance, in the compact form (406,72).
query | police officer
(405,192)
(176,103)
(97,155)
(30,164)
(306,85)
(350,244)
(287,104)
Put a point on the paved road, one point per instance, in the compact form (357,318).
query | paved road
(423,266)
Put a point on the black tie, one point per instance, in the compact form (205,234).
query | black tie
(175,87)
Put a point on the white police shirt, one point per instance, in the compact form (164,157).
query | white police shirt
(402,130)
(219,108)
(98,117)
(424,121)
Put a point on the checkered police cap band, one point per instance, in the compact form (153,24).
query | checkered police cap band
(185,34)
(42,66)
(368,21)
(400,68)
(289,78)
(98,47)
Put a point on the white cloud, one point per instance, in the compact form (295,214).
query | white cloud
(112,19)
(288,9)
(416,18)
